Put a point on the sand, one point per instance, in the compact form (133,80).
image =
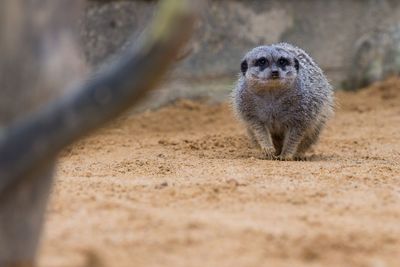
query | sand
(182,186)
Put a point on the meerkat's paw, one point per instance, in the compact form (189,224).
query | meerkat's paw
(285,157)
(300,157)
(268,152)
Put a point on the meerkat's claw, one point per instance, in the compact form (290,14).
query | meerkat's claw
(300,157)
(285,157)
(269,153)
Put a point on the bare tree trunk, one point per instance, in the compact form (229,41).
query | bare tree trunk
(39,56)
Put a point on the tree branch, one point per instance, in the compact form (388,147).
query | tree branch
(28,145)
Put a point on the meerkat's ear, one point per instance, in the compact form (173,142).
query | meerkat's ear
(296,64)
(244,66)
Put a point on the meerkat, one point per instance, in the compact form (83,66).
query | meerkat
(284,100)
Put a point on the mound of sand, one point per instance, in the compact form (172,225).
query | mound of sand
(380,95)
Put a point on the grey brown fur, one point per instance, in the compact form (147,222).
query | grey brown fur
(284,99)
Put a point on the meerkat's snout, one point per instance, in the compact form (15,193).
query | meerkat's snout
(275,75)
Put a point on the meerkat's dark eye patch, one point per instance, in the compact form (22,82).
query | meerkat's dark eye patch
(283,62)
(244,66)
(261,62)
(296,64)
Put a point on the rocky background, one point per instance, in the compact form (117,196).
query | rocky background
(356,42)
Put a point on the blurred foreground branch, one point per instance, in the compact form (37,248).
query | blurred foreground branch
(29,146)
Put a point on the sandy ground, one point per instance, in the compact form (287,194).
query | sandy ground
(181,186)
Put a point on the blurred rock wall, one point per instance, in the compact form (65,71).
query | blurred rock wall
(354,41)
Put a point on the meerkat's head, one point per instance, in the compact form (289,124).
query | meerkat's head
(269,68)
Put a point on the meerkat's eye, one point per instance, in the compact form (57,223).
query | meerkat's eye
(283,62)
(244,66)
(261,62)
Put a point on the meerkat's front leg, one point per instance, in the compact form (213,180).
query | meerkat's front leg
(252,137)
(291,142)
(263,137)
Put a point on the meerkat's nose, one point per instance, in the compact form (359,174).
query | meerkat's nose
(274,74)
